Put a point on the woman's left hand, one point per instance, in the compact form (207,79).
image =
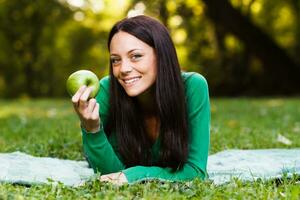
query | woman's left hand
(117,178)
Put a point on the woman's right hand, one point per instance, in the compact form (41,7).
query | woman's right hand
(87,109)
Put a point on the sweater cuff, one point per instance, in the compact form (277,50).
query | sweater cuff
(92,132)
(93,138)
(141,173)
(132,175)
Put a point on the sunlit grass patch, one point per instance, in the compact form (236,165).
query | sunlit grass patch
(40,127)
(254,123)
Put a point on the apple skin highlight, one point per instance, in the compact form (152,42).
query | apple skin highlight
(80,78)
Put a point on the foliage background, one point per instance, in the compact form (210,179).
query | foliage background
(242,47)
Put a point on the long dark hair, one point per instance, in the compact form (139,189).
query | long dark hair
(125,117)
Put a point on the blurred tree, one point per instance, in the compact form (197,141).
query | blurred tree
(280,71)
(241,46)
(28,30)
(295,6)
(44,41)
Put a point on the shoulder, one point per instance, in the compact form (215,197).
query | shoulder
(196,93)
(104,88)
(194,80)
(104,81)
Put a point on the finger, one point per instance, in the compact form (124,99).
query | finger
(91,106)
(105,178)
(85,95)
(77,95)
(95,113)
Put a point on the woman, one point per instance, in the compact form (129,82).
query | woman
(149,119)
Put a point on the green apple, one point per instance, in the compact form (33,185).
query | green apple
(80,78)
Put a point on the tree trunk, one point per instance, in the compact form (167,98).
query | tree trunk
(280,70)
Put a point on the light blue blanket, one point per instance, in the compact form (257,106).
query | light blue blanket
(246,165)
(251,165)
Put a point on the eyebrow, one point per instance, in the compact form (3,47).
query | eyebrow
(127,53)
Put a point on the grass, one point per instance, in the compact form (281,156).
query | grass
(47,127)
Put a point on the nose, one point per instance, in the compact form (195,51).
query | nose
(126,66)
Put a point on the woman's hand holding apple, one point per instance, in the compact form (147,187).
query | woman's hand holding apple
(87,109)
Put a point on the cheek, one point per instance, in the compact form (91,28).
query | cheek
(150,66)
(115,72)
(154,71)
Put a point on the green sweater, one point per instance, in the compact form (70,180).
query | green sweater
(101,151)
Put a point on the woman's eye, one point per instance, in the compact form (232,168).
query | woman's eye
(136,56)
(115,61)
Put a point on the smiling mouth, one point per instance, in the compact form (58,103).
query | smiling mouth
(131,81)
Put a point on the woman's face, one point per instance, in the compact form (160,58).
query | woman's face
(133,63)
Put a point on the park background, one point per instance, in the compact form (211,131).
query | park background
(242,47)
(248,50)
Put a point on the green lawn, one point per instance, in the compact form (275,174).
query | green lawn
(51,128)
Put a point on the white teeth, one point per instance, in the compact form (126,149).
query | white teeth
(131,80)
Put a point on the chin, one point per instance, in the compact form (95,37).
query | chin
(140,92)
(133,93)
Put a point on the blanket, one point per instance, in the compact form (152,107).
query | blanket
(247,165)
(250,165)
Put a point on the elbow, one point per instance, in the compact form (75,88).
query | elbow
(91,164)
(199,173)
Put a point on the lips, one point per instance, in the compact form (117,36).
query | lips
(131,81)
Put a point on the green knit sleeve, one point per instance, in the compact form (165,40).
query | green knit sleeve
(198,108)
(98,149)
